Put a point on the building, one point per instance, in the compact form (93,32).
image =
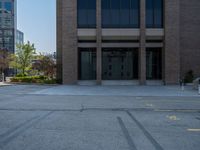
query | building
(138,41)
(8,24)
(19,38)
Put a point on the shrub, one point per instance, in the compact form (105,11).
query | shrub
(33,79)
(15,79)
(51,81)
(189,77)
(21,75)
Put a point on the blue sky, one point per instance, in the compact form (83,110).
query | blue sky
(37,19)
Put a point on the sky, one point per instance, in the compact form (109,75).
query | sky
(37,19)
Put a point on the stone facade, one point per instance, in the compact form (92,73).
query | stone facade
(179,40)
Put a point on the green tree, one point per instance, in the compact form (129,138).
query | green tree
(46,65)
(22,59)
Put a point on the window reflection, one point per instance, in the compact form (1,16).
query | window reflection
(120,13)
(154,13)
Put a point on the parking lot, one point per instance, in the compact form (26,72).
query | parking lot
(36,117)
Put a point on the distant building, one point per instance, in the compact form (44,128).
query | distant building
(8,24)
(8,28)
(19,38)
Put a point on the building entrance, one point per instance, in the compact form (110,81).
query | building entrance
(119,64)
(154,63)
(87,64)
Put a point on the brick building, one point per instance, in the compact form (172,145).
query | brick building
(127,41)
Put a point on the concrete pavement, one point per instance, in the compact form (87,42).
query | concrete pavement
(38,118)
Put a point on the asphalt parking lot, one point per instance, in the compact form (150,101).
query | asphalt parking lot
(98,118)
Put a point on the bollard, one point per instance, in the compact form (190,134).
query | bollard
(182,86)
(3,77)
(199,87)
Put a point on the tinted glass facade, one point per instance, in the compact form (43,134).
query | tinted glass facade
(8,6)
(119,64)
(7,25)
(154,63)
(120,13)
(87,64)
(154,13)
(86,13)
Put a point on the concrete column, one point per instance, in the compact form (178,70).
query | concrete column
(99,40)
(142,50)
(172,41)
(69,41)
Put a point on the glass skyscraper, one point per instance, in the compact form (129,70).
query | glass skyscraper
(7,25)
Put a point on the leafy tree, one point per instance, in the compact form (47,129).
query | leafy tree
(22,60)
(45,64)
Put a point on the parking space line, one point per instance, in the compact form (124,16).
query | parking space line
(193,130)
(126,134)
(15,132)
(17,127)
(146,133)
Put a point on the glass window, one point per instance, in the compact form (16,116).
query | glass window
(158,13)
(120,13)
(86,13)
(154,13)
(8,6)
(115,13)
(106,12)
(125,19)
(119,64)
(134,13)
(154,63)
(87,64)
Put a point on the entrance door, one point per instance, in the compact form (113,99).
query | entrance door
(120,64)
(154,63)
(87,64)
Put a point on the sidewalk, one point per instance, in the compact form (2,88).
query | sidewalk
(4,84)
(119,91)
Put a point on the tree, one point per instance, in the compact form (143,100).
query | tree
(22,60)
(46,65)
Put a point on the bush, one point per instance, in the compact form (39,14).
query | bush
(21,75)
(189,77)
(33,79)
(52,81)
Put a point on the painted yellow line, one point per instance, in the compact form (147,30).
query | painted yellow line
(166,110)
(193,130)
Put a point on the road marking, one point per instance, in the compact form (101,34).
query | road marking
(146,133)
(193,130)
(173,117)
(13,133)
(176,110)
(149,105)
(126,134)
